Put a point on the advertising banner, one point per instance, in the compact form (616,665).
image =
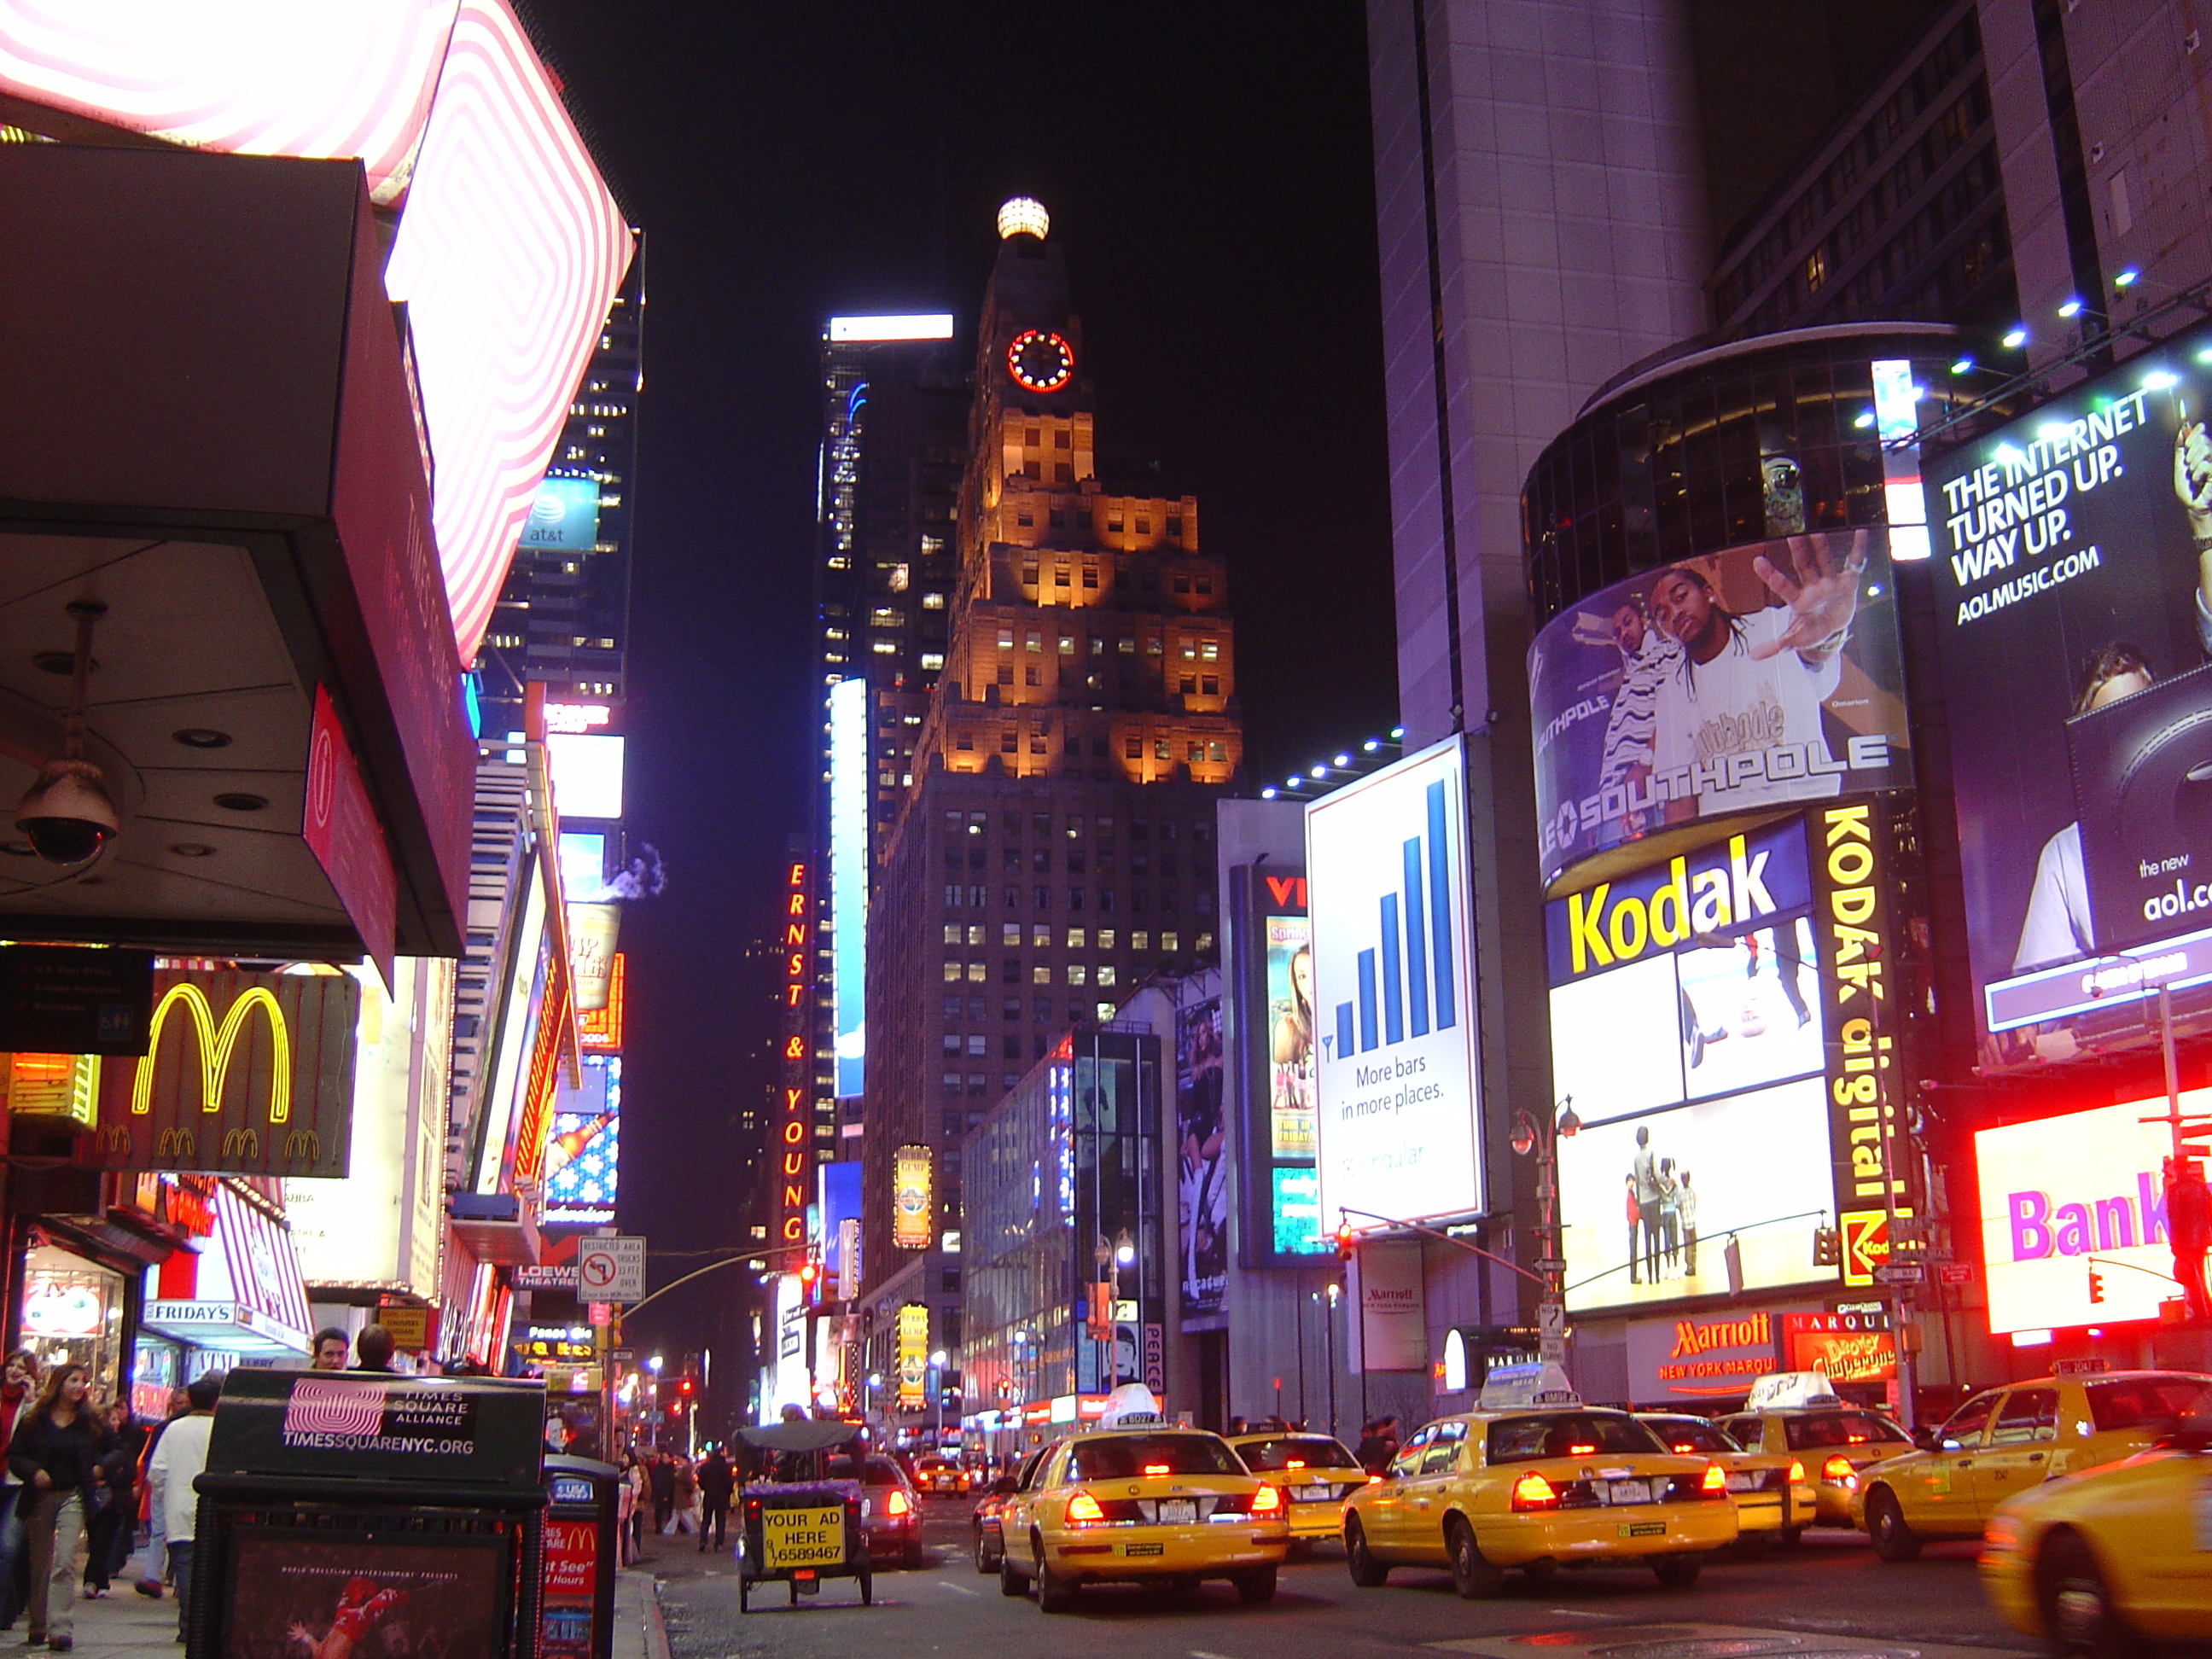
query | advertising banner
(583,1147)
(912,1357)
(403,1597)
(1393,992)
(1767,673)
(911,1207)
(245,1073)
(1865,1131)
(1687,1030)
(1201,1160)
(1391,1334)
(2057,1193)
(1849,1348)
(564,516)
(1272,967)
(2073,582)
(850,793)
(1711,1356)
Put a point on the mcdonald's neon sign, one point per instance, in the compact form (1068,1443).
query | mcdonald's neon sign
(216,1046)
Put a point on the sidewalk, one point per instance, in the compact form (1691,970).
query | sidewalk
(127,1626)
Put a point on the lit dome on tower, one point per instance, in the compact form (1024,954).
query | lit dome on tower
(1024,215)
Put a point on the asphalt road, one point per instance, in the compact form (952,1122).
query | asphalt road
(1829,1598)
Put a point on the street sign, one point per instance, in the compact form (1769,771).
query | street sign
(1889,1274)
(1955,1272)
(1551,1333)
(610,1268)
(1552,1264)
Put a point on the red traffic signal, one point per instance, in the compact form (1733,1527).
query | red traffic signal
(684,1388)
(2096,1285)
(1344,1240)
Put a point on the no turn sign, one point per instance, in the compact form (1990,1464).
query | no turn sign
(610,1269)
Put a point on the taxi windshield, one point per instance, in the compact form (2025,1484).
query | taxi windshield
(1128,1456)
(1300,1451)
(1567,1434)
(1841,1429)
(1690,1434)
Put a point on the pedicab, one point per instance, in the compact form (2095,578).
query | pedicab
(804,1530)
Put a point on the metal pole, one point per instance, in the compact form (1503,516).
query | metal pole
(1328,1349)
(2173,1074)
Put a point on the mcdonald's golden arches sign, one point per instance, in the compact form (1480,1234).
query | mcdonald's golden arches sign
(245,1073)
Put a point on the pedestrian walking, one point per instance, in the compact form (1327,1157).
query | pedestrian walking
(17,1384)
(663,1477)
(374,1347)
(686,1494)
(108,1538)
(641,1486)
(151,1563)
(718,1484)
(57,1450)
(177,1461)
(330,1349)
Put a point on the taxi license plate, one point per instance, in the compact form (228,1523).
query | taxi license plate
(1144,1549)
(1313,1494)
(1644,1530)
(2201,1509)
(1743,1483)
(1178,1511)
(1628,1492)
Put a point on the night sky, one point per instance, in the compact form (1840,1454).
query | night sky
(1208,173)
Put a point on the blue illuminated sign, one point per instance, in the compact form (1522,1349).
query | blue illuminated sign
(565,514)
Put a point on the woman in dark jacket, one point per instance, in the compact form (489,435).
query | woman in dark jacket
(56,1452)
(114,1529)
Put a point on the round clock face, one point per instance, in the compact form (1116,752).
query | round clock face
(1040,362)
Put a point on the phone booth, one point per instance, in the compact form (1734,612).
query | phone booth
(340,1504)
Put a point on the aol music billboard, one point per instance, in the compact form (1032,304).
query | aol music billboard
(244,1073)
(1393,1004)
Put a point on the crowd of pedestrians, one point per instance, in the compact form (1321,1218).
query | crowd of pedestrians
(677,1497)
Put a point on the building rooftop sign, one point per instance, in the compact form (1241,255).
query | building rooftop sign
(862,331)
(510,247)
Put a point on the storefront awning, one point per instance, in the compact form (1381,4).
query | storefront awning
(248,1295)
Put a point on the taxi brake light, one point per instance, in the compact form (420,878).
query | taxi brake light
(1294,1462)
(1155,1469)
(1580,1451)
(1685,1447)
(1533,1491)
(1373,1479)
(1084,1507)
(1716,1478)
(895,1504)
(1797,1473)
(1854,1440)
(1267,1500)
(1838,1467)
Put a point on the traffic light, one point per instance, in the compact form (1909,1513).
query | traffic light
(1099,1322)
(1827,1248)
(1344,1239)
(2096,1284)
(810,1280)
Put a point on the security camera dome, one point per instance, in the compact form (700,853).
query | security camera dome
(66,814)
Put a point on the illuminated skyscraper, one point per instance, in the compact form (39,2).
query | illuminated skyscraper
(1054,848)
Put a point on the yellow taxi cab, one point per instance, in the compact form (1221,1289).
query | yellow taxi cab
(1533,1479)
(2011,1440)
(1769,1490)
(1797,1415)
(1317,1473)
(1138,1500)
(2114,1557)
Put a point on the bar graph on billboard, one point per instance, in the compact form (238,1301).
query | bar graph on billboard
(1386,868)
(1405,1002)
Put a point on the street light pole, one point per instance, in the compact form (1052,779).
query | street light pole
(1328,1343)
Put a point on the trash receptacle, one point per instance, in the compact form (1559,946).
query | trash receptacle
(353,1503)
(582,1551)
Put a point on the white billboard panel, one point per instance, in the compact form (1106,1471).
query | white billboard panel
(1393,992)
(2057,1191)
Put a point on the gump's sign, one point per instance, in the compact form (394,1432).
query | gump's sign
(244,1073)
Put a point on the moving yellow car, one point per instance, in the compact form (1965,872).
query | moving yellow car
(2012,1440)
(1534,1480)
(1769,1490)
(2114,1557)
(1317,1473)
(1797,1415)
(1139,1501)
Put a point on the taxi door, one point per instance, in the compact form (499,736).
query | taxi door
(2016,1453)
(1427,1495)
(1385,1512)
(1938,1494)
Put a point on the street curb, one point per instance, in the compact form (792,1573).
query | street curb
(656,1629)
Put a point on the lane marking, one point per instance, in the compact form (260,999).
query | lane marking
(1580,1613)
(1201,1653)
(958,1590)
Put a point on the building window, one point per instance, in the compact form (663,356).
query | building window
(1170,943)
(1042,1008)
(1202,944)
(1160,749)
(1009,934)
(1027,520)
(976,1045)
(978,972)
(965,741)
(932,661)
(1060,578)
(976,897)
(952,931)
(1209,650)
(1075,938)
(952,897)
(1183,584)
(1010,971)
(1005,639)
(1028,576)
(1067,645)
(1006,677)
(1077,973)
(1033,641)
(933,602)
(1009,1046)
(1032,438)
(952,973)
(1041,974)
(1217,752)
(952,1042)
(952,1007)
(952,1081)
(1195,751)
(1106,903)
(1132,749)
(977,1083)
(1010,741)
(1210,684)
(1013,1008)
(1189,685)
(1075,898)
(1043,899)
(1105,974)
(1091,576)
(1175,526)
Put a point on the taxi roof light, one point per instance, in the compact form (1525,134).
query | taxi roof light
(1510,1387)
(1533,1491)
(1267,1500)
(1787,1390)
(1084,1507)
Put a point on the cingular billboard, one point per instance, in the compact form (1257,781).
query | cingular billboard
(2073,585)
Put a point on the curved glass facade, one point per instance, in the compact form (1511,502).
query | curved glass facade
(1724,448)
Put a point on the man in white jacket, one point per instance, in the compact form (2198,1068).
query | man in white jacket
(182,1455)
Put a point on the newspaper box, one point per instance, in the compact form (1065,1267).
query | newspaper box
(576,1618)
(352,1504)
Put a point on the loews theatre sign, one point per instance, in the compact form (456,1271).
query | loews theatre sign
(245,1073)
